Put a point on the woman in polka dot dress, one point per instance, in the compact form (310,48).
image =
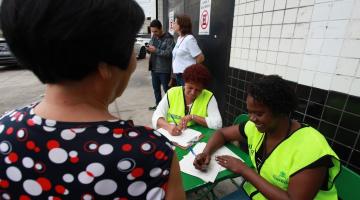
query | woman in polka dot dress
(68,146)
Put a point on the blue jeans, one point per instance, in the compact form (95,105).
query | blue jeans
(159,79)
(179,80)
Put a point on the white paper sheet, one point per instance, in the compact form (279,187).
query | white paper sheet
(186,164)
(187,137)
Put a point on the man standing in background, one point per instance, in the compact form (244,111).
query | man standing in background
(160,49)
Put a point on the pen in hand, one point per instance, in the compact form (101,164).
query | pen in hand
(192,151)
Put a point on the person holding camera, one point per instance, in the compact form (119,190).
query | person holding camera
(160,49)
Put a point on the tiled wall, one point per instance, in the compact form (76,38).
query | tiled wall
(315,45)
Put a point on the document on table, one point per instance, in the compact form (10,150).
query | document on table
(186,164)
(187,137)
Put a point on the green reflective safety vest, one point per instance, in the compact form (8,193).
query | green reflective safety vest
(176,101)
(300,149)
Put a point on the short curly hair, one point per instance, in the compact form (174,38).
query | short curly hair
(275,93)
(197,73)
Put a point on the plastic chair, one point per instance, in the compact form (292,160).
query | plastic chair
(348,184)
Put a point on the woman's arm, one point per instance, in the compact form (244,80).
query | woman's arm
(213,120)
(159,118)
(175,188)
(217,140)
(200,58)
(303,185)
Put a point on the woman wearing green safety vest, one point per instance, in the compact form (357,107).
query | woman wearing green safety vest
(190,104)
(292,160)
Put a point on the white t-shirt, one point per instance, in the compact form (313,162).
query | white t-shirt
(213,120)
(184,53)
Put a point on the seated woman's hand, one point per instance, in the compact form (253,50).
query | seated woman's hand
(174,130)
(184,121)
(201,161)
(231,163)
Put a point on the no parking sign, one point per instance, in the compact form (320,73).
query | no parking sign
(204,18)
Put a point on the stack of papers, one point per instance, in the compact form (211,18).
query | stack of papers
(187,137)
(186,164)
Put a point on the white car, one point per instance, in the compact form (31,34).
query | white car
(140,44)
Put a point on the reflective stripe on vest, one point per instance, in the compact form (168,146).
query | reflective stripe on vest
(176,101)
(300,149)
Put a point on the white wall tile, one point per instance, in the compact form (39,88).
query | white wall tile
(239,31)
(313,46)
(336,29)
(247,31)
(263,43)
(243,64)
(248,20)
(307,2)
(279,4)
(232,43)
(275,31)
(260,67)
(351,48)
(353,29)
(235,21)
(269,5)
(280,70)
(270,69)
(259,6)
(249,7)
(271,57)
(295,60)
(298,45)
(251,64)
(257,19)
(245,43)
(244,54)
(322,80)
(356,8)
(252,54)
(278,17)
(322,1)
(274,44)
(292,74)
(290,15)
(241,20)
(242,9)
(265,31)
(255,31)
(238,42)
(304,14)
(306,77)
(341,10)
(282,58)
(358,71)
(301,30)
(285,45)
(355,87)
(267,17)
(254,43)
(341,83)
(292,3)
(317,29)
(287,30)
(261,56)
(332,47)
(232,62)
(321,11)
(327,64)
(311,62)
(347,66)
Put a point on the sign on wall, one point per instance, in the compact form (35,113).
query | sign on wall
(204,18)
(171,22)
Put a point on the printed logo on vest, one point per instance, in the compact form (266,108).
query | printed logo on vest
(282,178)
(252,151)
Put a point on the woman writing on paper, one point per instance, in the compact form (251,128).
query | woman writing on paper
(187,105)
(292,160)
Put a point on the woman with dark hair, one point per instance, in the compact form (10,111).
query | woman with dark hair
(292,160)
(68,145)
(183,106)
(186,51)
